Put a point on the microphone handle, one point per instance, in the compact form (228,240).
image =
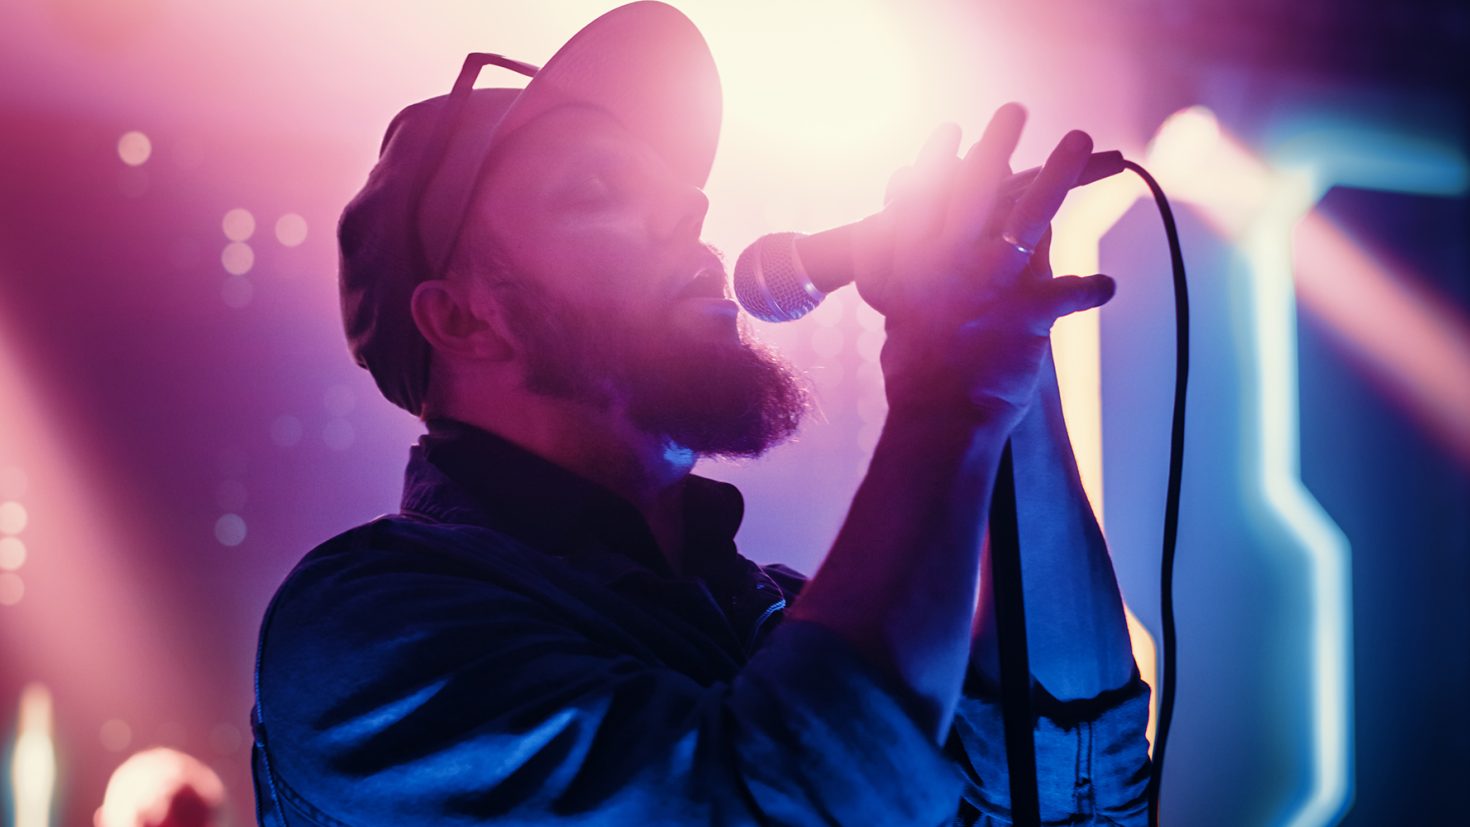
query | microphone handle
(836,244)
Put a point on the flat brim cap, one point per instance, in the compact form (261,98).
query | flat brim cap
(644,63)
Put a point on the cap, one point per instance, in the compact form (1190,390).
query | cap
(644,63)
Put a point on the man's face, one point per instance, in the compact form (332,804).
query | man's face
(614,298)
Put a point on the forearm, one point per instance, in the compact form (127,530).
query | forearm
(1077,634)
(900,581)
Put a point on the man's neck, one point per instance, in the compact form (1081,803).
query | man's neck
(600,445)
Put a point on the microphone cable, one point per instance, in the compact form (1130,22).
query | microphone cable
(1169,678)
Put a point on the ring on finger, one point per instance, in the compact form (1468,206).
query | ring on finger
(1010,238)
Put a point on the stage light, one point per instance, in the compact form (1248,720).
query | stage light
(818,78)
(33,760)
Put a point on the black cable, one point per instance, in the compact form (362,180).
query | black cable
(1171,498)
(1015,667)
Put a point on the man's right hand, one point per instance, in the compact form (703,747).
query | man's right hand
(967,316)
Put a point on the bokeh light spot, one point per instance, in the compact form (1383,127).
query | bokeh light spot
(237,258)
(13,517)
(237,291)
(286,430)
(229,529)
(869,318)
(291,229)
(870,345)
(828,376)
(238,224)
(12,589)
(12,553)
(134,148)
(115,735)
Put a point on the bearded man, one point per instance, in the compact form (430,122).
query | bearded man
(557,626)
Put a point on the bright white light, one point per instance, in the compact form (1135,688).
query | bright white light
(134,148)
(33,762)
(238,224)
(834,80)
(148,781)
(291,229)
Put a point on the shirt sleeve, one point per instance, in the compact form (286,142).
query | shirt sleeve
(1092,760)
(400,697)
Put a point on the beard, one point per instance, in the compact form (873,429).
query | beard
(715,399)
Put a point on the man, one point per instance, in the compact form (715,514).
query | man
(558,627)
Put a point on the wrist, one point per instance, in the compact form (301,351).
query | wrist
(940,429)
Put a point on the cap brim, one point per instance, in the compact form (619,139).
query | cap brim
(648,66)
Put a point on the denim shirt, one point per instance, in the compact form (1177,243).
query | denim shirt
(512,648)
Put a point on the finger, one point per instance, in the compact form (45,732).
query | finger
(1033,213)
(1062,295)
(984,167)
(1039,267)
(925,194)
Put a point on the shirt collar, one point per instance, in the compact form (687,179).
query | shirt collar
(486,479)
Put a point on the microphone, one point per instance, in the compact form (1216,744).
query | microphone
(784,276)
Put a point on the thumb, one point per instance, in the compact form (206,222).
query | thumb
(1060,296)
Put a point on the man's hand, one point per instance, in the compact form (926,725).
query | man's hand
(968,319)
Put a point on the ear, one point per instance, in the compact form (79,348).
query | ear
(459,320)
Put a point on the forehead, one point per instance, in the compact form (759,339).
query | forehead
(559,143)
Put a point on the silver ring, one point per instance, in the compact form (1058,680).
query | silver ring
(1011,239)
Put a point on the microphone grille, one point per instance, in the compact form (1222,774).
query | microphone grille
(771,283)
